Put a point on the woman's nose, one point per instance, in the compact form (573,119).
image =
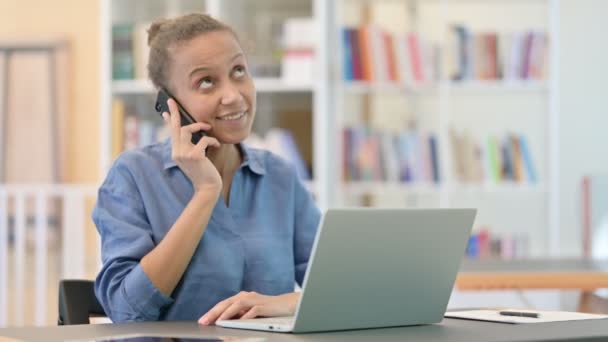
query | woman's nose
(230,94)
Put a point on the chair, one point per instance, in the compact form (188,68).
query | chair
(77,302)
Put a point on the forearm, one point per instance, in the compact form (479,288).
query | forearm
(166,263)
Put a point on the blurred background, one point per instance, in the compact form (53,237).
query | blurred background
(494,104)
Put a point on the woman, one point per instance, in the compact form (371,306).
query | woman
(209,231)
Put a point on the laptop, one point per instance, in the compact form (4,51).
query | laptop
(372,268)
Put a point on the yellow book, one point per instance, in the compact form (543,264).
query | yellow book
(118,135)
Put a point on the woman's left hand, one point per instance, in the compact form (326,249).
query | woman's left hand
(247,305)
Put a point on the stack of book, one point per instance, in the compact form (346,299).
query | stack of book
(372,54)
(483,244)
(373,155)
(496,160)
(494,56)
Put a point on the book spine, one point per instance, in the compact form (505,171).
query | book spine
(348,54)
(586,215)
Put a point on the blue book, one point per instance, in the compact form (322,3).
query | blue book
(347,36)
(472,250)
(527,157)
(405,174)
(434,157)
(507,166)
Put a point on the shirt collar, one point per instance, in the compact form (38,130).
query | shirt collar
(252,158)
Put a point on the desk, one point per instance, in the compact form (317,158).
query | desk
(564,274)
(561,274)
(453,330)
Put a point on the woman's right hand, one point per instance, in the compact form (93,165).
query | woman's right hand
(189,157)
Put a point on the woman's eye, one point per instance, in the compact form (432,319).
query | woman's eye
(205,83)
(239,72)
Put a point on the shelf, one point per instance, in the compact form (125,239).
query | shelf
(132,87)
(500,86)
(503,188)
(365,187)
(277,85)
(363,87)
(263,85)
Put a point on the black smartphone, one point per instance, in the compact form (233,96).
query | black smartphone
(185,117)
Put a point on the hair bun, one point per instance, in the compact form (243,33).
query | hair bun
(154,29)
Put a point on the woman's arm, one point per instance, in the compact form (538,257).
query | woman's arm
(166,263)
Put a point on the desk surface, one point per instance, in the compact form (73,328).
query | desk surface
(586,275)
(449,330)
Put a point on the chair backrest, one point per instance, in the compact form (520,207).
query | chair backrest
(77,302)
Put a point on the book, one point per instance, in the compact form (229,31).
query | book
(594,209)
(122,51)
(519,55)
(373,54)
(497,160)
(347,63)
(376,155)
(118,124)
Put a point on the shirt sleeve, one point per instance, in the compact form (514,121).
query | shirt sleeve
(307,217)
(122,287)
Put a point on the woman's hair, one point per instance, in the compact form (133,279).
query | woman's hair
(166,33)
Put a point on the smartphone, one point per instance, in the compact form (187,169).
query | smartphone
(185,117)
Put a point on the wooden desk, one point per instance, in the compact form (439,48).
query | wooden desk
(561,274)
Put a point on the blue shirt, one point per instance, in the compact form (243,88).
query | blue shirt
(260,242)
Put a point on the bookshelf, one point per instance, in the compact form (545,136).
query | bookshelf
(431,106)
(287,101)
(479,105)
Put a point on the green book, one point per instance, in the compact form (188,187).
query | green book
(494,162)
(122,52)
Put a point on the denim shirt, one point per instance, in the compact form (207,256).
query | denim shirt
(260,242)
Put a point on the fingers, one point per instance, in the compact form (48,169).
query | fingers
(216,311)
(230,307)
(205,142)
(233,310)
(174,119)
(255,311)
(178,132)
(187,131)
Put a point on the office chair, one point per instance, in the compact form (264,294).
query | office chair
(77,302)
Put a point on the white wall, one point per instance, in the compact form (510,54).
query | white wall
(584,110)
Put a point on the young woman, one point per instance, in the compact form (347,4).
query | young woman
(210,231)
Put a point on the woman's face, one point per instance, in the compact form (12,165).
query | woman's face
(209,77)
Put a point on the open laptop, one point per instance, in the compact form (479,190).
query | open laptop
(372,268)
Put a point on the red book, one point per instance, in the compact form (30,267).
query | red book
(492,50)
(484,243)
(367,67)
(356,55)
(586,211)
(391,61)
(525,70)
(415,56)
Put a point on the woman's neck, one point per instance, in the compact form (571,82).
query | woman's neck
(226,158)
